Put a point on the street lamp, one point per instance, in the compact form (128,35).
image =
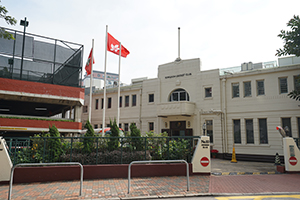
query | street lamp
(25,24)
(204,128)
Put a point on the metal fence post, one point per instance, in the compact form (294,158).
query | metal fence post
(41,164)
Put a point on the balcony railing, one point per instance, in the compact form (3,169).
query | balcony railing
(45,59)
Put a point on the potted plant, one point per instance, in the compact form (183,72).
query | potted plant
(214,153)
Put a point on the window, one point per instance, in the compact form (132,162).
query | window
(107,125)
(263,131)
(283,87)
(297,82)
(126,101)
(249,131)
(208,92)
(109,103)
(151,98)
(247,89)
(126,127)
(96,104)
(85,109)
(151,126)
(235,90)
(120,103)
(237,131)
(120,125)
(260,87)
(100,125)
(95,126)
(179,95)
(209,130)
(102,103)
(286,125)
(134,100)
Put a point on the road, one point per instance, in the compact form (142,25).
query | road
(245,197)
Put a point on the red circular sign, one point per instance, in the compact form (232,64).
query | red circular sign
(293,160)
(204,161)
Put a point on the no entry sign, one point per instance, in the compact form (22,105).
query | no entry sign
(204,161)
(293,160)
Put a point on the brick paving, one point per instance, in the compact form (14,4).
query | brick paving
(233,179)
(108,188)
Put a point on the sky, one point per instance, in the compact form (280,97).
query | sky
(222,33)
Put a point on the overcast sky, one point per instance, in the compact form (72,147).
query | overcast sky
(222,33)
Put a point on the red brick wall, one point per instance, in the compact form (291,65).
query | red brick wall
(40,88)
(39,123)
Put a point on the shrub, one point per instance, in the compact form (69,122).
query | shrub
(88,143)
(136,143)
(113,142)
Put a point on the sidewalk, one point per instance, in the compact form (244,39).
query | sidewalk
(158,187)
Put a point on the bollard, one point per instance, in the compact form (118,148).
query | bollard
(277,159)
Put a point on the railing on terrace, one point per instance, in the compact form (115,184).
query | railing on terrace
(44,59)
(99,150)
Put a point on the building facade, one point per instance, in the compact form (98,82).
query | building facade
(241,107)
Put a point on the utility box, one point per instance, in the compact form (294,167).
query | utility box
(5,162)
(201,158)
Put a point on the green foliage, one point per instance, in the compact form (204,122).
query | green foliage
(178,149)
(9,20)
(113,142)
(155,144)
(88,142)
(54,144)
(137,141)
(290,38)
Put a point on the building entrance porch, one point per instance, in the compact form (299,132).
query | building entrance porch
(178,128)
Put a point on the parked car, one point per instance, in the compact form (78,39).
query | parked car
(107,131)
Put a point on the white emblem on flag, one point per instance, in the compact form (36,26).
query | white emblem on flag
(114,47)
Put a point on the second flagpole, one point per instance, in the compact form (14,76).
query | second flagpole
(104,93)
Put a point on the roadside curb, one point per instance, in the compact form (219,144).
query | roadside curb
(243,173)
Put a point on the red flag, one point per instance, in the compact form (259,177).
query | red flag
(88,66)
(113,46)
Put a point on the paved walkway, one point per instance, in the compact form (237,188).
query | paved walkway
(159,187)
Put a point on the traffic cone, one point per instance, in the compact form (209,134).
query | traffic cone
(233,158)
(277,159)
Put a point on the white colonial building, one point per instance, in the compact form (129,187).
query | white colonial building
(240,105)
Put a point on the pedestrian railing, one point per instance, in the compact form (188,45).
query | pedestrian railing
(159,161)
(99,150)
(43,164)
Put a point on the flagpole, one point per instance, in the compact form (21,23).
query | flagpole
(120,49)
(104,93)
(91,83)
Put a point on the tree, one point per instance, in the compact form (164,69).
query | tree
(88,141)
(291,47)
(55,148)
(136,142)
(291,38)
(113,142)
(9,20)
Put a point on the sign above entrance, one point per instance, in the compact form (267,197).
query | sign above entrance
(179,75)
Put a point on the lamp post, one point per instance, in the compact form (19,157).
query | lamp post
(204,128)
(25,24)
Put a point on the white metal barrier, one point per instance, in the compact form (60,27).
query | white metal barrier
(159,161)
(43,164)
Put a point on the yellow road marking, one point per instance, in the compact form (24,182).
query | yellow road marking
(258,197)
